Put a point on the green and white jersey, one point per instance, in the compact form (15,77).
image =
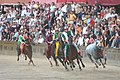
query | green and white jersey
(21,38)
(70,33)
(64,36)
(55,36)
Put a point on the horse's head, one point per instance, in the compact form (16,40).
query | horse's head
(99,49)
(28,42)
(99,45)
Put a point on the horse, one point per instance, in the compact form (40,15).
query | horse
(95,52)
(72,55)
(50,53)
(27,51)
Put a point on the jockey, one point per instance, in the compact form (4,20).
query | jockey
(70,34)
(21,41)
(49,40)
(56,40)
(64,37)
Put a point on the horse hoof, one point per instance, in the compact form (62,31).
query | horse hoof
(99,64)
(96,66)
(73,66)
(43,53)
(17,59)
(63,64)
(67,69)
(57,64)
(25,58)
(83,66)
(67,63)
(103,66)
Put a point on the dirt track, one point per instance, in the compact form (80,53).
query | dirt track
(10,69)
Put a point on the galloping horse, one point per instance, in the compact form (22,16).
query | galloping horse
(72,55)
(27,51)
(95,53)
(50,53)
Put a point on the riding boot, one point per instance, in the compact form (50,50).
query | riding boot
(65,52)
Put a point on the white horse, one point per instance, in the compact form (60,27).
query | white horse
(95,53)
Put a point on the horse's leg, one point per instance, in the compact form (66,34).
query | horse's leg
(32,62)
(49,59)
(105,58)
(90,57)
(19,52)
(18,56)
(67,62)
(80,58)
(71,64)
(55,59)
(98,62)
(25,57)
(30,57)
(74,64)
(65,65)
(60,60)
(102,63)
(79,64)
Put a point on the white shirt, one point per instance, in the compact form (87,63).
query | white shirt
(86,41)
(23,12)
(28,13)
(66,37)
(73,7)
(52,8)
(80,41)
(13,14)
(84,30)
(40,40)
(64,8)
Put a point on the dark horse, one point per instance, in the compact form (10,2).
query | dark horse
(27,51)
(72,55)
(50,53)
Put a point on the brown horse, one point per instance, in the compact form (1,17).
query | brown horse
(72,55)
(50,53)
(27,51)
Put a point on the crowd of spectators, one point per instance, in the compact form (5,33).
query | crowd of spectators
(88,22)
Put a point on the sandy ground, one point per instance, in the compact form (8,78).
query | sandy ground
(10,69)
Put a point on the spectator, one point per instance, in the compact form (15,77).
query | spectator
(87,23)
